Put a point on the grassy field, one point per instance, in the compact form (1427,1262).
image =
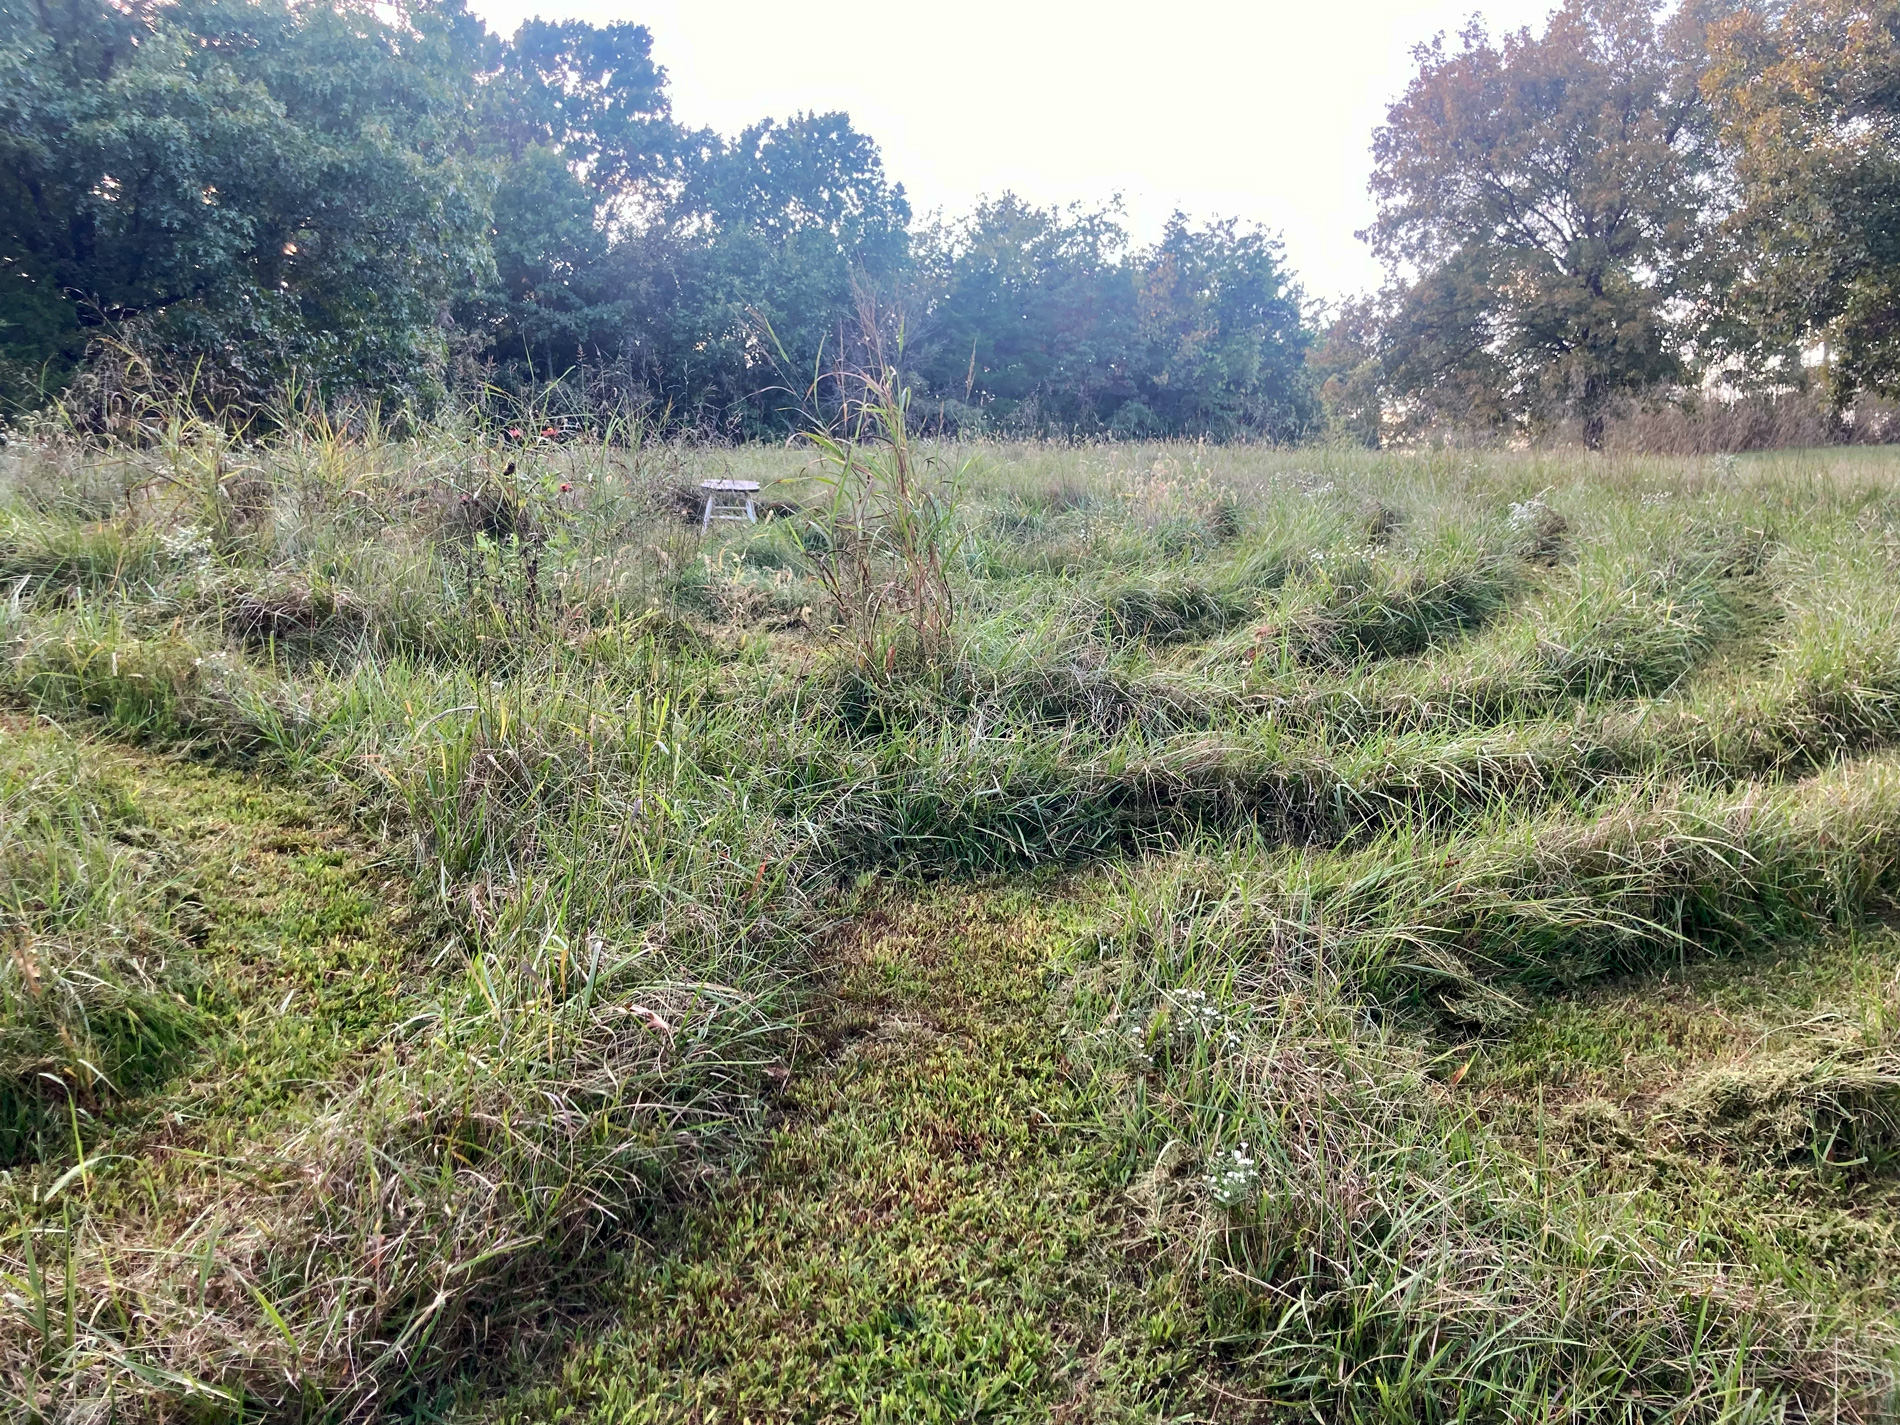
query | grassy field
(1107,933)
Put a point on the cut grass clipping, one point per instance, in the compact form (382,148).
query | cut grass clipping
(1314,935)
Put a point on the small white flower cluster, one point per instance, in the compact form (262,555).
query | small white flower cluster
(1206,1018)
(1527,514)
(1348,556)
(1235,1178)
(1659,497)
(219,670)
(187,544)
(1321,490)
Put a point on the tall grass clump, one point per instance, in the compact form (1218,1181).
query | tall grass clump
(1374,1240)
(99,990)
(880,543)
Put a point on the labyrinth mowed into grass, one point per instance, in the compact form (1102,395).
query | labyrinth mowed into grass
(1326,934)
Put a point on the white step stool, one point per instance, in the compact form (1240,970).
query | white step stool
(729,509)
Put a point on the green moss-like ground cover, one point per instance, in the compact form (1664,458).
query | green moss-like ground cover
(933,1231)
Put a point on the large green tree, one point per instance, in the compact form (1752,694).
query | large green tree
(576,123)
(1543,202)
(1027,315)
(742,280)
(1808,94)
(1223,335)
(239,190)
(693,273)
(1050,320)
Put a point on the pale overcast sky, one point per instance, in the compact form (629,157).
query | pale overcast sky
(1258,111)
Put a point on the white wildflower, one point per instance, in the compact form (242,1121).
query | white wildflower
(1205,1018)
(187,544)
(1235,1177)
(1527,514)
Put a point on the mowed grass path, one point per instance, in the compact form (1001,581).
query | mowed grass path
(936,1229)
(204,958)
(953,1219)
(291,938)
(1753,1100)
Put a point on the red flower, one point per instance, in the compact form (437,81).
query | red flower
(514,432)
(565,487)
(549,431)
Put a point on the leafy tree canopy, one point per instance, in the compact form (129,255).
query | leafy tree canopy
(257,185)
(1808,95)
(1050,319)
(1542,201)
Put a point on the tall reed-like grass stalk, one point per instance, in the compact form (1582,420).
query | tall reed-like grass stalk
(881,541)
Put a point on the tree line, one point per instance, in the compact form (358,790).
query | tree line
(1700,203)
(249,195)
(240,198)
